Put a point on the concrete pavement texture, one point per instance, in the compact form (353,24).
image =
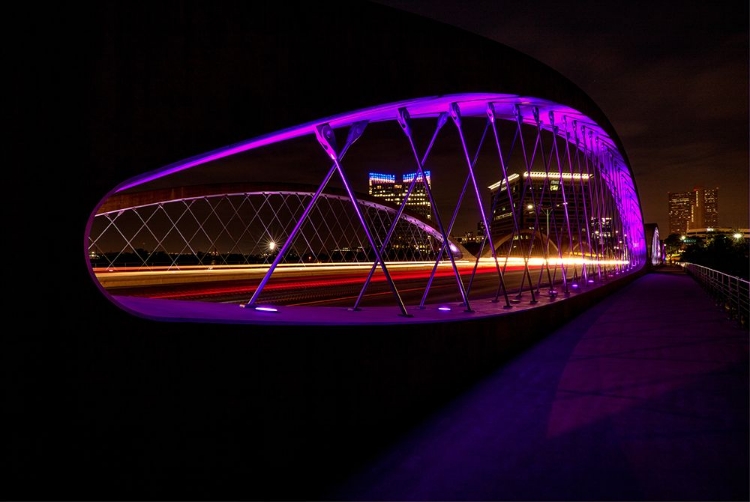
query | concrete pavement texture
(642,397)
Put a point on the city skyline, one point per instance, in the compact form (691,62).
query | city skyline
(673,82)
(667,151)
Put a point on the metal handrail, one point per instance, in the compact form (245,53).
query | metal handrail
(730,292)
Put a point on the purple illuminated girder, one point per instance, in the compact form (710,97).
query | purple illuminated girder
(326,138)
(455,112)
(404,120)
(491,116)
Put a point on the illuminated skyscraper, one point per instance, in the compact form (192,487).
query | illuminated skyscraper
(418,202)
(680,211)
(384,186)
(695,209)
(711,207)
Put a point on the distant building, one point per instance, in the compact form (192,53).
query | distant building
(547,190)
(384,186)
(680,211)
(695,209)
(710,199)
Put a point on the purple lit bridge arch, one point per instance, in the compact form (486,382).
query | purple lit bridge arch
(522,136)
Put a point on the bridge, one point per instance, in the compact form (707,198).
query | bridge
(548,158)
(192,399)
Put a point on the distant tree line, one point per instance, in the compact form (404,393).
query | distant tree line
(723,253)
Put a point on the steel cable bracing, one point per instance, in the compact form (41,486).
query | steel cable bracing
(404,121)
(575,196)
(526,186)
(560,191)
(599,183)
(566,215)
(189,210)
(588,209)
(491,116)
(579,191)
(471,177)
(235,238)
(144,226)
(459,202)
(355,131)
(546,159)
(327,140)
(615,203)
(455,113)
(445,245)
(598,204)
(488,236)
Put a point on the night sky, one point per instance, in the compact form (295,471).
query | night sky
(672,82)
(672,78)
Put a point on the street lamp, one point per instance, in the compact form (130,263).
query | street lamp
(547,212)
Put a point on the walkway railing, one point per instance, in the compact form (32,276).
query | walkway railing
(730,292)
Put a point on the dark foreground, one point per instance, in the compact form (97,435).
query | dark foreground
(643,396)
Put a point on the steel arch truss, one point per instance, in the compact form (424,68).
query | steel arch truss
(249,228)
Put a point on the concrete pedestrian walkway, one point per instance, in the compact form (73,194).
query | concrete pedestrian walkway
(642,397)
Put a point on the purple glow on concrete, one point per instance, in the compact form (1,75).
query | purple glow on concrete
(444,309)
(266,309)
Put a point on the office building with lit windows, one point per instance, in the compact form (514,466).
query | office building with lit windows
(695,209)
(384,186)
(557,198)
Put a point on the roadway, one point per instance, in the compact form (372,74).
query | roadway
(334,286)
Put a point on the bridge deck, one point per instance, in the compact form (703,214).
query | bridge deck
(642,397)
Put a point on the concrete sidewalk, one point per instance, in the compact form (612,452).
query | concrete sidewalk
(642,397)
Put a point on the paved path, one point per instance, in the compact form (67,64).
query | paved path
(642,397)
